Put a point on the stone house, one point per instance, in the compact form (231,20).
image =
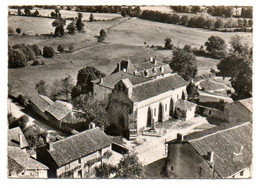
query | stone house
(185,109)
(224,151)
(133,108)
(21,165)
(239,111)
(73,156)
(16,138)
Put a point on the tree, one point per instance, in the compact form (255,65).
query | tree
(27,11)
(192,92)
(71,28)
(18,122)
(168,43)
(237,45)
(91,111)
(219,23)
(41,87)
(16,58)
(79,24)
(67,86)
(85,76)
(48,52)
(130,167)
(36,13)
(19,12)
(215,43)
(91,18)
(59,26)
(104,170)
(27,51)
(18,30)
(184,20)
(184,63)
(123,13)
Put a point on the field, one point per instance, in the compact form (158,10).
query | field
(125,40)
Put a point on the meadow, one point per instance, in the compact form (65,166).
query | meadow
(127,38)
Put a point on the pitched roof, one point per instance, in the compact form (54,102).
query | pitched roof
(184,104)
(152,70)
(111,80)
(157,86)
(248,103)
(125,64)
(231,144)
(147,65)
(79,145)
(14,138)
(59,109)
(41,101)
(24,159)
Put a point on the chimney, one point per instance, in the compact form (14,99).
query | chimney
(21,140)
(92,125)
(154,61)
(179,137)
(101,80)
(50,146)
(210,156)
(124,70)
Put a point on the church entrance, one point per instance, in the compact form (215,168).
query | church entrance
(160,118)
(149,117)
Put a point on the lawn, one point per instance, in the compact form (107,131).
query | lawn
(125,40)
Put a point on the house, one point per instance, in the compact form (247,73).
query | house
(133,108)
(40,103)
(16,138)
(74,155)
(147,69)
(185,109)
(104,86)
(21,165)
(58,111)
(220,152)
(239,111)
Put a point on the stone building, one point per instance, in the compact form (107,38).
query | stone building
(133,108)
(73,156)
(221,152)
(21,165)
(239,111)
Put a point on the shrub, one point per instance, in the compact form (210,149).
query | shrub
(48,52)
(123,13)
(35,62)
(184,20)
(16,58)
(102,33)
(71,28)
(28,52)
(35,48)
(60,48)
(18,30)
(10,31)
(91,18)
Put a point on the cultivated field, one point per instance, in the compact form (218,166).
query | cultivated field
(125,40)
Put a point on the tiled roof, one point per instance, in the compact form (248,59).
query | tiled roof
(79,145)
(156,70)
(231,144)
(184,104)
(248,103)
(147,65)
(59,109)
(125,64)
(41,101)
(13,138)
(157,86)
(24,159)
(110,80)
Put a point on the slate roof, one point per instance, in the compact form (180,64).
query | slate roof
(231,144)
(184,104)
(155,70)
(125,64)
(24,159)
(59,109)
(79,145)
(14,140)
(157,86)
(248,103)
(111,80)
(41,101)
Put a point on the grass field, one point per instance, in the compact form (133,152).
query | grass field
(125,40)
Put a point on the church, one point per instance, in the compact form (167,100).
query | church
(133,108)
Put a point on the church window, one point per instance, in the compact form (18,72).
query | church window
(155,112)
(165,107)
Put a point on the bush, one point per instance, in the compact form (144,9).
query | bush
(35,48)
(35,62)
(48,52)
(102,33)
(16,59)
(10,31)
(18,30)
(60,48)
(27,51)
(71,27)
(184,20)
(123,13)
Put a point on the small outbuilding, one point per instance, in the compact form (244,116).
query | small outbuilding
(185,109)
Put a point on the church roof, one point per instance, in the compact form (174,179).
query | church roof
(157,86)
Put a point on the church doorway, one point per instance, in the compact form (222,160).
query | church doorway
(160,115)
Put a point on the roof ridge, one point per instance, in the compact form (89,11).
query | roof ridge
(72,136)
(218,131)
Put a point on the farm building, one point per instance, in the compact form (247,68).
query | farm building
(21,165)
(40,103)
(133,108)
(239,111)
(221,152)
(16,138)
(147,69)
(73,156)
